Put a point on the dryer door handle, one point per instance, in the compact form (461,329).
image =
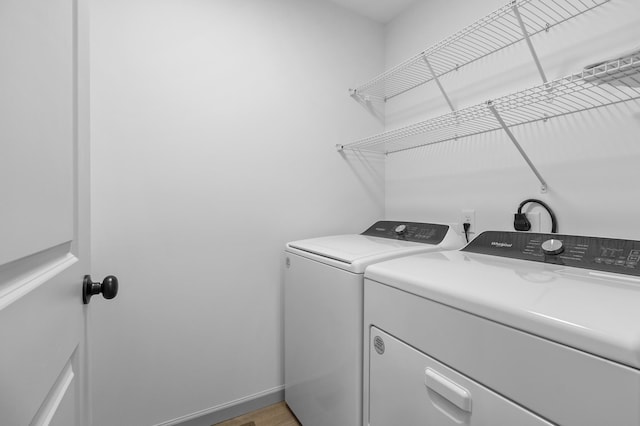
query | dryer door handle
(454,393)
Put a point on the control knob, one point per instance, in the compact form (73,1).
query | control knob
(552,247)
(401,229)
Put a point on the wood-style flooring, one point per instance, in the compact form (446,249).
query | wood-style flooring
(273,415)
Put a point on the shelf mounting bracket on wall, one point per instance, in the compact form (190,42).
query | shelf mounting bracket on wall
(525,34)
(437,80)
(494,111)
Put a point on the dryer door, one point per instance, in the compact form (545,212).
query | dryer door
(407,387)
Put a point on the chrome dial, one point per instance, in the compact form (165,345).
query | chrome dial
(401,229)
(552,247)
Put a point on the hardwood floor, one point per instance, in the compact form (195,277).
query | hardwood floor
(273,415)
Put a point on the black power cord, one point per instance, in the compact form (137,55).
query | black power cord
(521,223)
(466,227)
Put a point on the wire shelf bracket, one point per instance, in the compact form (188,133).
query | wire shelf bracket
(526,37)
(437,80)
(492,108)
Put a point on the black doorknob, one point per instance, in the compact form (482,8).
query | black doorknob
(108,287)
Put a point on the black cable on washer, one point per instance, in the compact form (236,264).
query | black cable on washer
(521,223)
(466,227)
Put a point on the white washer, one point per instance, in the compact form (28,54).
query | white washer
(515,329)
(323,287)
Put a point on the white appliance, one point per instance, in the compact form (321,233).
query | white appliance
(323,288)
(515,329)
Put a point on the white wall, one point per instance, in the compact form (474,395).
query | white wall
(213,133)
(589,160)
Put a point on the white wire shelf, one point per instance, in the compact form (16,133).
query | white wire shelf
(605,84)
(495,31)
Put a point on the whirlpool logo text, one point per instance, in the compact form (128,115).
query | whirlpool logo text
(501,245)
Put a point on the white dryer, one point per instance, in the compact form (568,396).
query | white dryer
(323,309)
(515,329)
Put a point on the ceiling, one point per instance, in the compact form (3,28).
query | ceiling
(379,10)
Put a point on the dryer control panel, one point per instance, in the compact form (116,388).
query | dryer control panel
(417,232)
(602,254)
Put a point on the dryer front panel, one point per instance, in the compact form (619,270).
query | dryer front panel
(563,385)
(407,387)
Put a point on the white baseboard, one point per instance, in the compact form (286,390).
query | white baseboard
(229,410)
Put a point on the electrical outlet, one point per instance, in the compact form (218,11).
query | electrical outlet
(468,216)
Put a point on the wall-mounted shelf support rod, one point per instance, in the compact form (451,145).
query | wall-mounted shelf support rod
(364,98)
(529,43)
(437,80)
(492,108)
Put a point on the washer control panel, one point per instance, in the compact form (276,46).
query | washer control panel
(417,232)
(602,254)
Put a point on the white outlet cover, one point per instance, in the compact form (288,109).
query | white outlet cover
(534,219)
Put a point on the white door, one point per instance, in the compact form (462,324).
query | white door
(43,212)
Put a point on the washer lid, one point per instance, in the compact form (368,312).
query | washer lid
(594,311)
(350,248)
(356,252)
